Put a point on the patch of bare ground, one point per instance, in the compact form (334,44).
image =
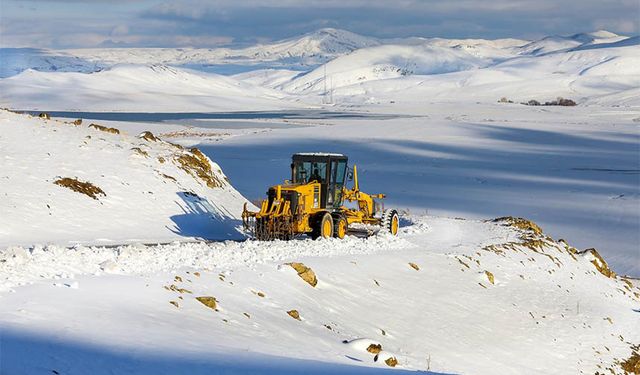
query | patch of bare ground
(82,187)
(105,129)
(195,163)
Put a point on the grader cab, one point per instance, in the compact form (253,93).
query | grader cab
(313,202)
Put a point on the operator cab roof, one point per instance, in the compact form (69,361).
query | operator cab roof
(320,154)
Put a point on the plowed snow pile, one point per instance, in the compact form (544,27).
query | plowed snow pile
(67,184)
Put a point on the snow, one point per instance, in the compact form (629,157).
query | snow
(150,88)
(136,175)
(108,285)
(446,316)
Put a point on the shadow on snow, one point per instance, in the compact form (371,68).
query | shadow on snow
(25,353)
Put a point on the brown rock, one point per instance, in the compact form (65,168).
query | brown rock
(210,302)
(374,348)
(294,314)
(490,277)
(305,273)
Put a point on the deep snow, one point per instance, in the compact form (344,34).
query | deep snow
(97,310)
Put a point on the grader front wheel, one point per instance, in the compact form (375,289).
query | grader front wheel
(390,222)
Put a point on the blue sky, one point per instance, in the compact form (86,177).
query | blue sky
(197,23)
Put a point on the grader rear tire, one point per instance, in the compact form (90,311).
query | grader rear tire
(323,226)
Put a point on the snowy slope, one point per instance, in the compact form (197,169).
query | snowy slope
(383,62)
(15,60)
(144,88)
(561,43)
(308,49)
(150,190)
(448,295)
(588,76)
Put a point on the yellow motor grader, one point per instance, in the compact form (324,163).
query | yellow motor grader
(312,203)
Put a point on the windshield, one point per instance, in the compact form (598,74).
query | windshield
(305,172)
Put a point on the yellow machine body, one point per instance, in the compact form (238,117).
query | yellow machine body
(314,205)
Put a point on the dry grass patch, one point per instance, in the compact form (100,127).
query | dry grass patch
(147,135)
(374,348)
(174,288)
(82,187)
(197,165)
(140,151)
(599,262)
(518,222)
(305,273)
(631,365)
(105,129)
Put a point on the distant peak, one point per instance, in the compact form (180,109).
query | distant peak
(604,34)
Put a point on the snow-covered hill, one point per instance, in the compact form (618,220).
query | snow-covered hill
(383,62)
(146,88)
(558,43)
(16,60)
(589,76)
(69,184)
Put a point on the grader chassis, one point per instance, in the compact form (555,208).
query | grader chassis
(312,203)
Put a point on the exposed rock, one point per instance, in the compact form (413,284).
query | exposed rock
(391,361)
(305,273)
(294,314)
(105,129)
(147,135)
(596,259)
(174,303)
(490,277)
(210,302)
(77,122)
(374,348)
(518,222)
(140,151)
(414,266)
(44,115)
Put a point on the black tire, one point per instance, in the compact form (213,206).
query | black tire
(321,222)
(390,222)
(339,232)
